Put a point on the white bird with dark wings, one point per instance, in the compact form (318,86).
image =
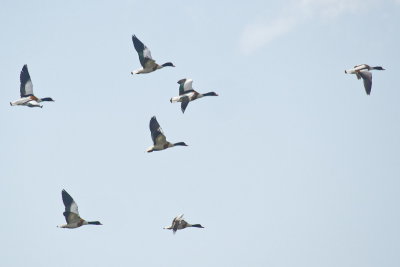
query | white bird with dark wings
(362,72)
(178,223)
(159,140)
(26,91)
(71,213)
(147,62)
(187,94)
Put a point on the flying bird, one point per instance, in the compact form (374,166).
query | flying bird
(159,140)
(26,90)
(362,72)
(178,223)
(71,213)
(147,62)
(187,94)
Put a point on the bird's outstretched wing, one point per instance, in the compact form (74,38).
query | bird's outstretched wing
(26,88)
(185,86)
(71,208)
(143,52)
(184,103)
(156,132)
(367,79)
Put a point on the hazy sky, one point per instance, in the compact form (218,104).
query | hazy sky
(292,165)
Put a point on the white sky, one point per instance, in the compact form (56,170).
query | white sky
(292,165)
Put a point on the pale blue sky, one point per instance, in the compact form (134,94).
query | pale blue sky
(292,165)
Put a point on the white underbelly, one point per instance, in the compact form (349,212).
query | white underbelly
(21,101)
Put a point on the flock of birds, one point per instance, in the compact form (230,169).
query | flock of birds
(186,95)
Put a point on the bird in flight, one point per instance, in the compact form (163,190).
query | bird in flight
(26,91)
(147,62)
(187,94)
(362,72)
(178,223)
(159,140)
(71,213)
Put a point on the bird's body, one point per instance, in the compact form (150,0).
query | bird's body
(178,223)
(362,72)
(188,94)
(71,213)
(147,62)
(26,92)
(159,140)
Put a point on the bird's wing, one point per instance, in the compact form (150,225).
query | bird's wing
(184,103)
(176,222)
(26,88)
(367,78)
(69,203)
(177,218)
(156,132)
(185,86)
(175,225)
(143,52)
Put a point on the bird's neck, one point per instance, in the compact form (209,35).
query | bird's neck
(209,94)
(93,223)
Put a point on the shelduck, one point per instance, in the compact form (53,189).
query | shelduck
(147,62)
(178,223)
(362,72)
(159,140)
(71,213)
(26,90)
(187,94)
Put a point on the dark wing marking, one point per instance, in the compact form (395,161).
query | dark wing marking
(367,79)
(69,203)
(26,88)
(185,86)
(181,86)
(155,130)
(143,52)
(175,225)
(185,103)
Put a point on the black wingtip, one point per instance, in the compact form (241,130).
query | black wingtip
(181,81)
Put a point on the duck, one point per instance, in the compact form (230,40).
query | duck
(71,213)
(26,91)
(147,62)
(159,140)
(178,223)
(362,72)
(187,94)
